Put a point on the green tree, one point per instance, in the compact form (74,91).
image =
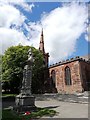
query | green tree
(13,64)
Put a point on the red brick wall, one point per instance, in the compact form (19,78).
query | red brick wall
(75,77)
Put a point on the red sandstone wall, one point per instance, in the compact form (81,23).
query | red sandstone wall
(85,74)
(75,77)
(46,56)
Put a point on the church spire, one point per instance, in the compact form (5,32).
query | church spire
(41,45)
(42,32)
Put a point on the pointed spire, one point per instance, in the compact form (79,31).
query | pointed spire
(41,46)
(42,37)
(42,32)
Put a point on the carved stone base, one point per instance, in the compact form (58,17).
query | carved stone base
(24,103)
(23,109)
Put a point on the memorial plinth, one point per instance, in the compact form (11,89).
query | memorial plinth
(25,101)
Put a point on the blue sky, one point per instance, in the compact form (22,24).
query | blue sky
(39,8)
(64,27)
(47,7)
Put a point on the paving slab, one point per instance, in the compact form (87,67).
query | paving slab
(65,109)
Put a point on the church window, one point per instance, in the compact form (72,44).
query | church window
(67,76)
(53,77)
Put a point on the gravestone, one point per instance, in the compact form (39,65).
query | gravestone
(25,101)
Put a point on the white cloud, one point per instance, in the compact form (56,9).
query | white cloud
(62,27)
(27,7)
(11,16)
(11,37)
(87,35)
(22,3)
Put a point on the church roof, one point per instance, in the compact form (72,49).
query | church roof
(77,58)
(86,57)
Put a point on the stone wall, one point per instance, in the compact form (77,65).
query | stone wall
(85,74)
(78,76)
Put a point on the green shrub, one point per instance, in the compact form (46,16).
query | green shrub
(9,114)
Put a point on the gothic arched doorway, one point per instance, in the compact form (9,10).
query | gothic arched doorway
(53,81)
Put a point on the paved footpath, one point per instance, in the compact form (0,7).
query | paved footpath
(65,109)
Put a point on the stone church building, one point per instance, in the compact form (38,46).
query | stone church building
(68,76)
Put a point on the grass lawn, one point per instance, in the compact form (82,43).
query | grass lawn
(8,95)
(8,114)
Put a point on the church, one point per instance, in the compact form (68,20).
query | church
(69,76)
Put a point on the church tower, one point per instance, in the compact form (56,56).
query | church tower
(45,63)
(42,49)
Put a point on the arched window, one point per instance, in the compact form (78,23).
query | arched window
(67,76)
(53,77)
